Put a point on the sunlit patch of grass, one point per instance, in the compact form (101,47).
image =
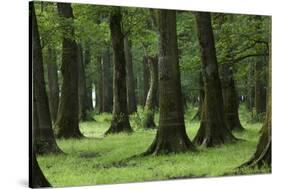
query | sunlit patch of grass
(97,159)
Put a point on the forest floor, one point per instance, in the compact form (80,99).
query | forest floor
(96,159)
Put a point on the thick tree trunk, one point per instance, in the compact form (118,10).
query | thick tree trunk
(145,79)
(67,125)
(53,84)
(230,99)
(198,114)
(262,155)
(131,94)
(151,98)
(120,121)
(38,179)
(171,135)
(42,133)
(107,82)
(213,128)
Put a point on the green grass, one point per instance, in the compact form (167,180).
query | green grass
(96,159)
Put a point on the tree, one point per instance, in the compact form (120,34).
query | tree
(230,99)
(151,98)
(171,135)
(130,80)
(67,125)
(262,155)
(42,133)
(201,98)
(120,121)
(53,83)
(107,81)
(145,79)
(213,128)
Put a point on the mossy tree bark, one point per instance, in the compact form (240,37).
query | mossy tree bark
(107,81)
(230,99)
(131,94)
(213,128)
(171,135)
(151,98)
(120,121)
(67,125)
(44,141)
(53,83)
(262,155)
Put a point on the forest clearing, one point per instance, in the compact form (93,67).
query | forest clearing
(127,94)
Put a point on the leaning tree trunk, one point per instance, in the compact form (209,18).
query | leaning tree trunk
(230,99)
(262,155)
(120,121)
(171,135)
(131,94)
(42,133)
(213,128)
(150,105)
(67,125)
(106,82)
(53,84)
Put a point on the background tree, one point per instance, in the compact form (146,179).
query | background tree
(213,128)
(67,125)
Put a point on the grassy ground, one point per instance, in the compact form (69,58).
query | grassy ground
(92,160)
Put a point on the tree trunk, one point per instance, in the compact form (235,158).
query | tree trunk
(107,82)
(260,86)
(230,99)
(67,125)
(120,121)
(145,79)
(99,87)
(89,81)
(42,133)
(53,84)
(37,178)
(250,88)
(131,94)
(198,114)
(213,128)
(262,155)
(171,135)
(83,112)
(150,104)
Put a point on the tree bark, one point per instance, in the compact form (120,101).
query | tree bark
(99,87)
(250,88)
(131,94)
(213,128)
(107,82)
(67,125)
(230,99)
(44,141)
(260,86)
(171,135)
(151,98)
(120,121)
(53,84)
